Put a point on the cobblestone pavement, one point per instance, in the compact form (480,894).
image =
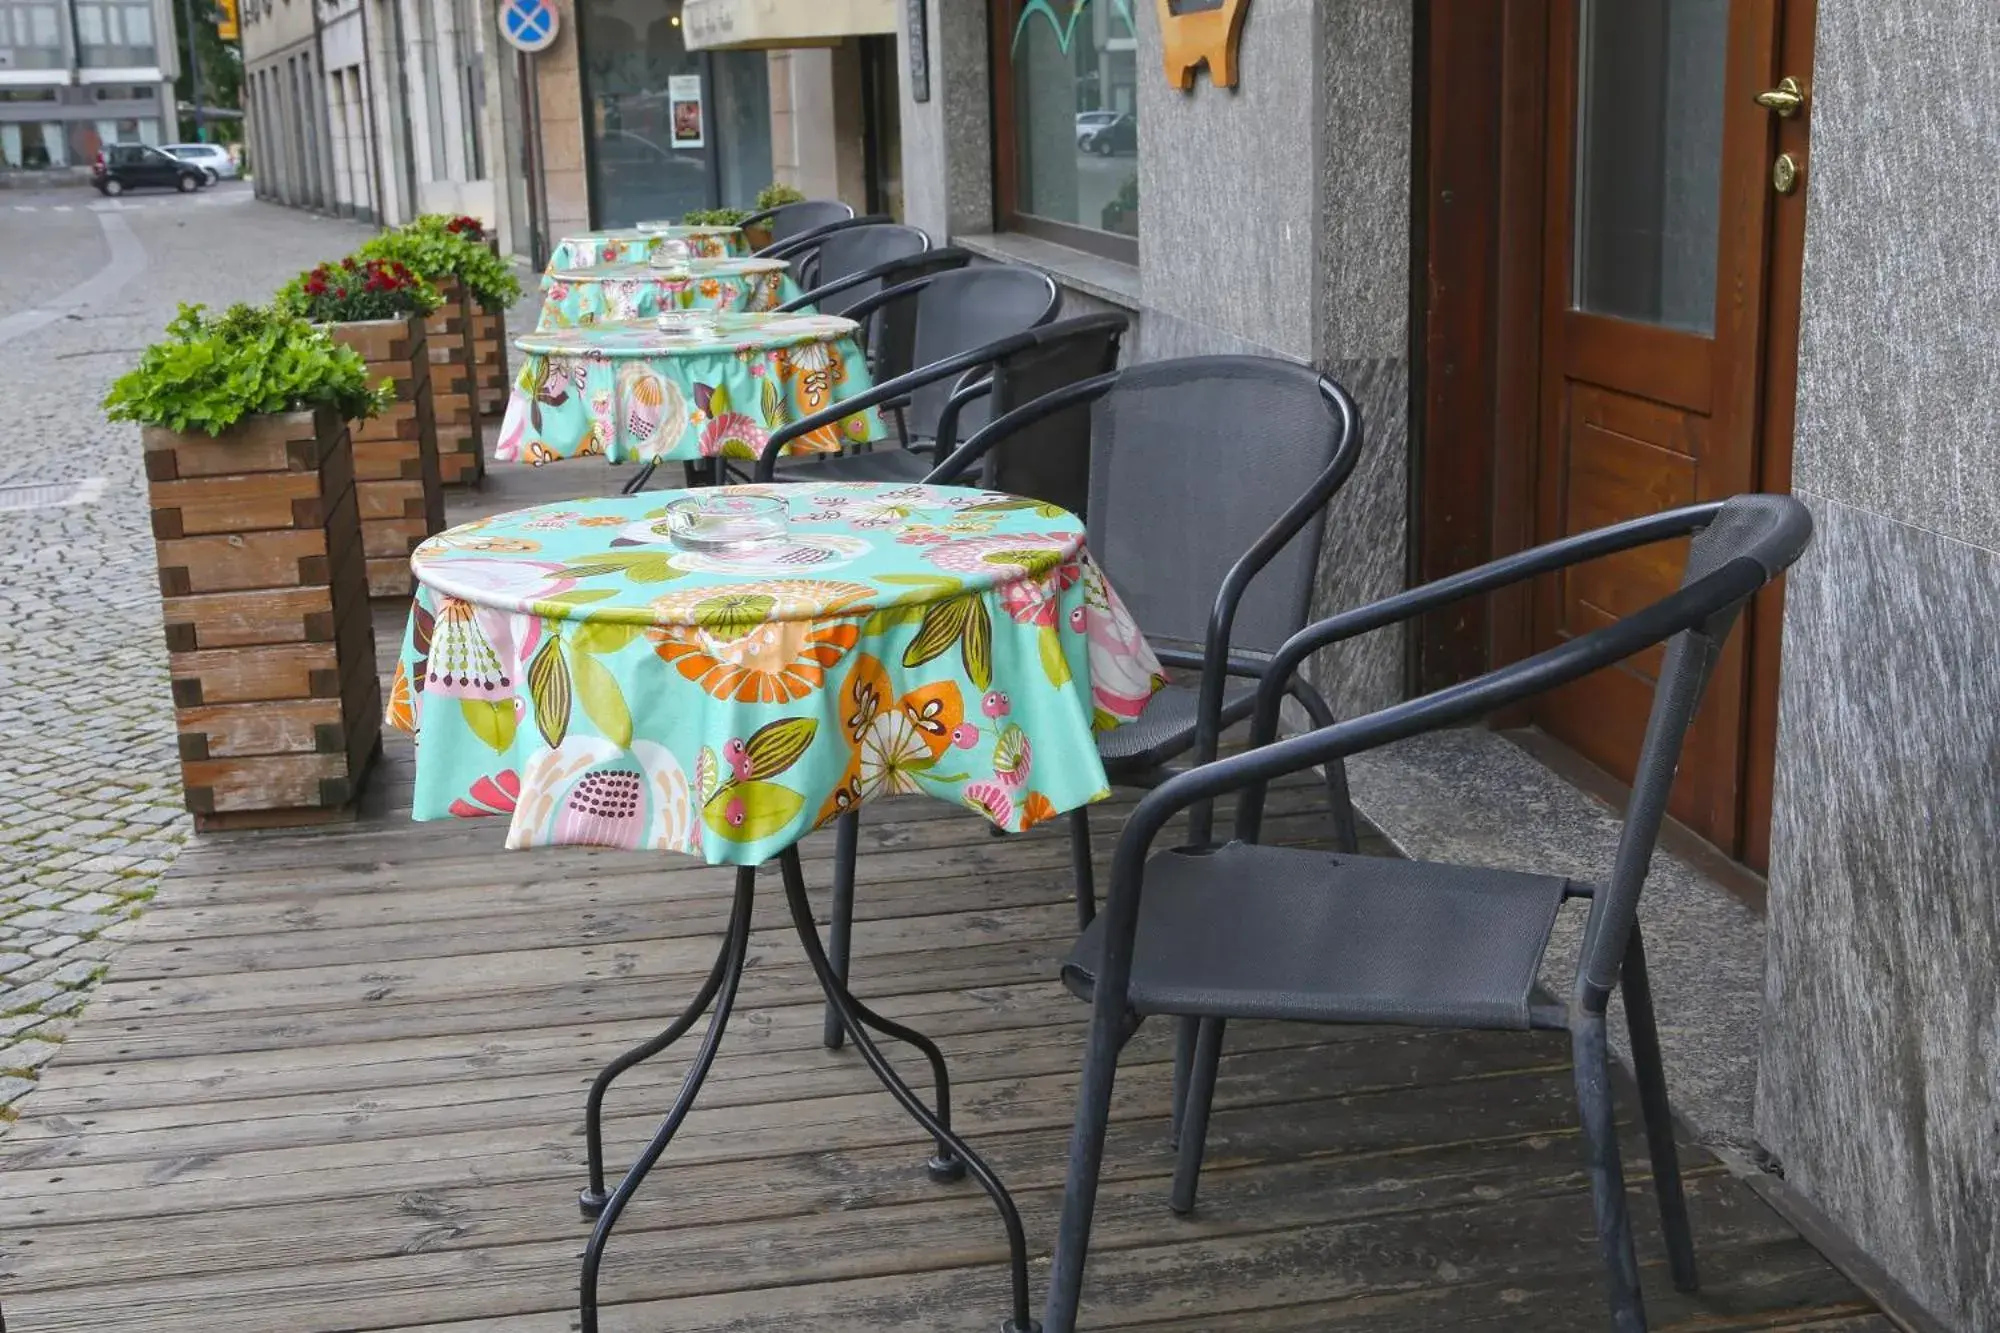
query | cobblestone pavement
(90,810)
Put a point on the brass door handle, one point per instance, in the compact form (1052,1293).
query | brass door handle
(1785,99)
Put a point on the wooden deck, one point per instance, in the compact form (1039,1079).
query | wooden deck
(335,1083)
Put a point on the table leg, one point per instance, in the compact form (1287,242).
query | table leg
(640,478)
(593,1198)
(954,1156)
(735,953)
(840,921)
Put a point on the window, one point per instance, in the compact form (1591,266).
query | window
(30,37)
(1065,101)
(33,146)
(115,34)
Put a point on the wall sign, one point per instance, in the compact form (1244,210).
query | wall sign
(528,25)
(684,110)
(919,42)
(1197,32)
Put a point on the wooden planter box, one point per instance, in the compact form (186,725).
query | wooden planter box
(265,593)
(461,456)
(399,489)
(489,353)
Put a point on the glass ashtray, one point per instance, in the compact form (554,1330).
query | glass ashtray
(723,522)
(687,323)
(672,257)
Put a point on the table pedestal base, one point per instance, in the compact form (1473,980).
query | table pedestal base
(952,1161)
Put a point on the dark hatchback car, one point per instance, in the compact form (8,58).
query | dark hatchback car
(134,166)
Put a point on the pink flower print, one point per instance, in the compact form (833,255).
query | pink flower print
(1000,555)
(1013,758)
(496,795)
(1030,602)
(738,757)
(733,435)
(965,735)
(996,704)
(990,800)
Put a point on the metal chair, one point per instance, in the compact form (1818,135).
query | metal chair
(1242,930)
(789,221)
(824,258)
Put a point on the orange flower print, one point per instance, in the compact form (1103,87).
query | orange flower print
(814,368)
(1036,809)
(402,711)
(893,744)
(742,645)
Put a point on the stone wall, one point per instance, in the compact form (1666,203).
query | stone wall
(1881,1041)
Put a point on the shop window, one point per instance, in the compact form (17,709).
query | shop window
(30,36)
(1065,101)
(33,146)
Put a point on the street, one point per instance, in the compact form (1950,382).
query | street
(90,805)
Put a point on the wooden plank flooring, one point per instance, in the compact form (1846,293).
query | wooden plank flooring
(335,1083)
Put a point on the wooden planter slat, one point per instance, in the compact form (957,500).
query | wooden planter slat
(271,647)
(461,457)
(399,486)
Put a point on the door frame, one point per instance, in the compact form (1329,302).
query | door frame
(1481,197)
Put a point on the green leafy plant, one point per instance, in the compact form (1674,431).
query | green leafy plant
(714,217)
(775,195)
(210,372)
(347,290)
(431,249)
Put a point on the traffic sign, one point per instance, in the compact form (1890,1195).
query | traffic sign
(528,25)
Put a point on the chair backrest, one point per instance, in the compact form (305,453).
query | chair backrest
(1051,460)
(851,250)
(1191,462)
(959,310)
(792,220)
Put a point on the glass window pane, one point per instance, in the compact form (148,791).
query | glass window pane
(1649,159)
(1076,130)
(89,25)
(139,26)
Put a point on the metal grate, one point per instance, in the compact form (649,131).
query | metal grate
(50,494)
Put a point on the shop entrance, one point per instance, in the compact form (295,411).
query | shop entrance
(1646,243)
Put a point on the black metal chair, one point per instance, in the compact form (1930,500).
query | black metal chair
(1243,930)
(824,258)
(1212,546)
(787,222)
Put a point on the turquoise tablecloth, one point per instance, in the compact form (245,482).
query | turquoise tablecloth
(635,291)
(630,393)
(569,669)
(636,243)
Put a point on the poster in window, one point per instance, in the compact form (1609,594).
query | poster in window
(684,109)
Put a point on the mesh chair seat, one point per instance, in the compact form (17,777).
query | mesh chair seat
(1166,728)
(1277,932)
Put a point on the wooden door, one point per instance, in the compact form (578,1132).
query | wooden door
(1658,275)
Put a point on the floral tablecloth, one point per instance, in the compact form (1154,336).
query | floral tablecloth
(631,393)
(569,669)
(600,292)
(636,244)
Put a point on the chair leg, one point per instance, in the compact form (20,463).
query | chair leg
(1652,1077)
(840,924)
(1607,1173)
(1079,862)
(1200,1095)
(1187,1032)
(1086,1163)
(1346,837)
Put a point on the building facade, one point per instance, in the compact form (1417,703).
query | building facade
(76,75)
(1580,260)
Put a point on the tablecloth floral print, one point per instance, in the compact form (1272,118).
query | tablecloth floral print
(601,292)
(571,670)
(637,244)
(626,392)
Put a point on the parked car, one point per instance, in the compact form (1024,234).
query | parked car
(1118,135)
(212,158)
(1090,122)
(130,166)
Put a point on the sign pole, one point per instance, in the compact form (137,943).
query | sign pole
(194,74)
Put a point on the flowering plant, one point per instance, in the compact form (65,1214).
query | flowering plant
(472,229)
(437,247)
(338,293)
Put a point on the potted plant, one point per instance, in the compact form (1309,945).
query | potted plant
(771,196)
(1121,215)
(379,307)
(466,273)
(251,481)
(486,327)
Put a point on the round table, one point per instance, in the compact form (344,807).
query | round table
(636,243)
(600,292)
(569,669)
(629,392)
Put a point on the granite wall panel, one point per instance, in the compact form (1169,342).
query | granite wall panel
(1880,1049)
(1881,1037)
(947,141)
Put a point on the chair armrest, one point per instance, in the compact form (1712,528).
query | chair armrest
(882,271)
(974,384)
(791,245)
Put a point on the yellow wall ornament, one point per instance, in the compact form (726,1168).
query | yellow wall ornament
(1194,32)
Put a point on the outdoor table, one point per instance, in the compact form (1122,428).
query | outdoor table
(600,292)
(632,393)
(573,670)
(637,243)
